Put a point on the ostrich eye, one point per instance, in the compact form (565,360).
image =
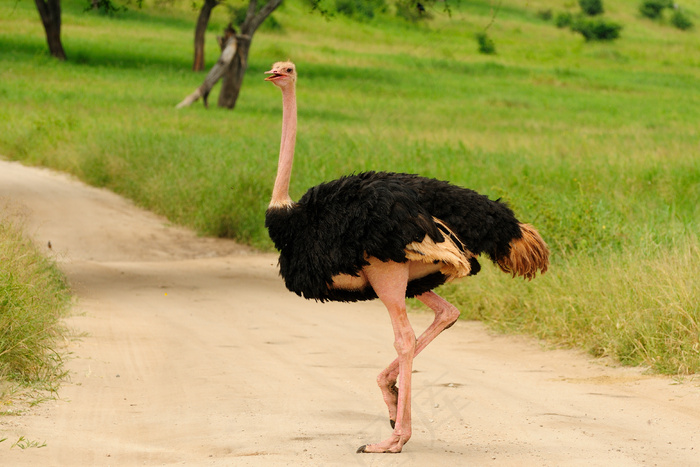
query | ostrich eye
(289,70)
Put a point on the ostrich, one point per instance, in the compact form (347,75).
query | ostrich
(389,236)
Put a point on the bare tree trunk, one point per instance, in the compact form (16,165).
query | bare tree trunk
(233,78)
(50,13)
(228,52)
(202,22)
(234,73)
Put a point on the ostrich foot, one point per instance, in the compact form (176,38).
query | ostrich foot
(393,445)
(390,393)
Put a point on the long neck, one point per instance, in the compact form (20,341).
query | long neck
(280,192)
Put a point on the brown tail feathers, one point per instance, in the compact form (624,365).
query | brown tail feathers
(528,254)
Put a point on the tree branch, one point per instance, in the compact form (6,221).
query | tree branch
(251,24)
(250,13)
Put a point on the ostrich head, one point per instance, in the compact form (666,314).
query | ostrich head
(282,74)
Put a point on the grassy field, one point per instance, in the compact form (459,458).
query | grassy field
(33,298)
(594,143)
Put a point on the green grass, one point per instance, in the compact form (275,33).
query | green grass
(641,307)
(594,143)
(33,298)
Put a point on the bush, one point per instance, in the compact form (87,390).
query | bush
(360,9)
(411,10)
(545,15)
(591,7)
(564,20)
(597,29)
(654,8)
(105,7)
(681,20)
(486,45)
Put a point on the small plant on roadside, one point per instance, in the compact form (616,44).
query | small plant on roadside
(24,443)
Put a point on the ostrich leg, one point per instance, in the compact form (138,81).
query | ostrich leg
(389,281)
(445,316)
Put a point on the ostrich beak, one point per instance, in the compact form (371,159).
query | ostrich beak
(274,76)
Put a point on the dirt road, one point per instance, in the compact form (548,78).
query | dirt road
(194,353)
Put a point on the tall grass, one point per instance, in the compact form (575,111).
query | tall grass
(595,144)
(640,307)
(33,298)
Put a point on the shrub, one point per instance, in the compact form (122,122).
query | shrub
(486,45)
(681,20)
(591,7)
(545,15)
(411,10)
(564,20)
(654,8)
(105,7)
(360,9)
(597,29)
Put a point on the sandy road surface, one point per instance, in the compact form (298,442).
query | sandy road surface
(195,354)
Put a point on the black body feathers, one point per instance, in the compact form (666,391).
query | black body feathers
(335,226)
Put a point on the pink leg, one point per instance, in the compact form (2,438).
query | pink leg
(389,281)
(445,316)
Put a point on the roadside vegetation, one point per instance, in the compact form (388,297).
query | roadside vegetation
(33,298)
(594,142)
